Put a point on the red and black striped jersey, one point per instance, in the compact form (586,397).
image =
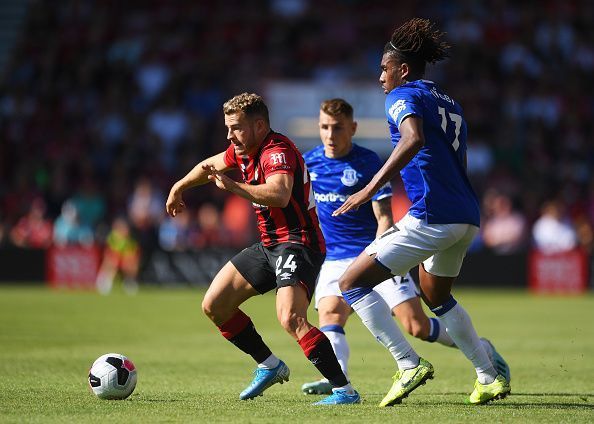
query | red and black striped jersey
(298,221)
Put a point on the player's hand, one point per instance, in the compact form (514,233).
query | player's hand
(221,180)
(175,204)
(353,202)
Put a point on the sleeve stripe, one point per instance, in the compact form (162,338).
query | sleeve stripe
(404,116)
(383,196)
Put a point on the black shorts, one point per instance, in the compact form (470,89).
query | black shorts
(286,264)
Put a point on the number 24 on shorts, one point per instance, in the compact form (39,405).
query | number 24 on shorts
(289,264)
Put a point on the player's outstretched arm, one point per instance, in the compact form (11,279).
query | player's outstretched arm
(197,176)
(411,141)
(275,192)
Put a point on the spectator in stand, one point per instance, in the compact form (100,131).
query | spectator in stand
(504,230)
(237,219)
(145,211)
(121,257)
(553,232)
(89,203)
(210,231)
(119,69)
(69,230)
(176,234)
(33,230)
(172,126)
(585,233)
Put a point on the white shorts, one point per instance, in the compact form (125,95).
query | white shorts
(394,291)
(440,247)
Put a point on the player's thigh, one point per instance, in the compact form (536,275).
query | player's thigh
(448,262)
(415,242)
(327,282)
(228,290)
(402,249)
(365,271)
(256,266)
(397,290)
(435,290)
(333,310)
(296,265)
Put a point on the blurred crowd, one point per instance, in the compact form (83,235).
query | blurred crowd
(106,103)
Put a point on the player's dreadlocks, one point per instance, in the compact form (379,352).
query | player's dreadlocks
(418,42)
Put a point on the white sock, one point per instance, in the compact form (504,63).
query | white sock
(104,282)
(376,316)
(269,363)
(459,327)
(488,348)
(348,388)
(438,333)
(339,345)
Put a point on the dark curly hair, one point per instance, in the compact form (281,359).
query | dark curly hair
(417,42)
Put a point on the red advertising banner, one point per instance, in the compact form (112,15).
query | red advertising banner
(72,266)
(558,273)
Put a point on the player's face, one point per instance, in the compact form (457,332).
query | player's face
(392,74)
(241,132)
(336,133)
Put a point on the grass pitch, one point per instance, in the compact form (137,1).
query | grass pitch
(188,373)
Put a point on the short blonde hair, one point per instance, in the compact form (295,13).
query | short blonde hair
(249,103)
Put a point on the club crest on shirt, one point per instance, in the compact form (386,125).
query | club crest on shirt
(349,177)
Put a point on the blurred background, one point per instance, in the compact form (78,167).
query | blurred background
(104,104)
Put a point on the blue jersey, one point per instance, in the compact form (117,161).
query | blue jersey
(334,180)
(435,179)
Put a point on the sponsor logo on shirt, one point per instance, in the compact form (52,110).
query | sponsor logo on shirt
(396,108)
(330,197)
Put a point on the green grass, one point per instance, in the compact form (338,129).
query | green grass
(188,373)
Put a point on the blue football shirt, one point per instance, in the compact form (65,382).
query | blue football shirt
(333,181)
(435,179)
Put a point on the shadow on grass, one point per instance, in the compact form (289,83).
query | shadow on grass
(581,395)
(547,405)
(514,401)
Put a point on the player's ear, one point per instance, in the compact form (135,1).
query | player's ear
(404,70)
(261,126)
(353,128)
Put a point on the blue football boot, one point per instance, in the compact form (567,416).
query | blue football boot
(264,378)
(340,397)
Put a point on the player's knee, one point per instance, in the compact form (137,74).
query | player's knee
(210,306)
(330,317)
(345,283)
(415,328)
(291,322)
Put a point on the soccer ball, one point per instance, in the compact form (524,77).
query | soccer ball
(112,376)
